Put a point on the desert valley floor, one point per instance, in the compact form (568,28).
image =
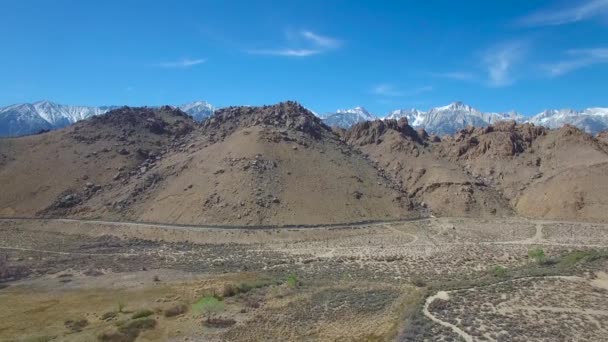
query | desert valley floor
(435,279)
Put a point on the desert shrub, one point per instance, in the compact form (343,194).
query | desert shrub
(114,336)
(292,281)
(250,285)
(137,324)
(76,326)
(142,313)
(128,331)
(499,271)
(244,287)
(109,315)
(439,305)
(176,310)
(537,254)
(208,305)
(576,257)
(229,290)
(253,302)
(46,338)
(418,282)
(219,322)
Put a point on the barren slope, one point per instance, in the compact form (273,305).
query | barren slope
(553,174)
(407,155)
(59,171)
(248,165)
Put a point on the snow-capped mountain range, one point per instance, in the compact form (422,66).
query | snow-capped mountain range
(457,115)
(29,118)
(592,120)
(347,117)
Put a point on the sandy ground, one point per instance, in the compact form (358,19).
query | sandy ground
(432,279)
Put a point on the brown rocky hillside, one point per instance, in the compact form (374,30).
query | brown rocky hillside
(551,174)
(408,156)
(246,165)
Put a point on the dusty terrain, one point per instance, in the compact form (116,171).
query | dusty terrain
(275,165)
(497,170)
(264,224)
(435,279)
(280,165)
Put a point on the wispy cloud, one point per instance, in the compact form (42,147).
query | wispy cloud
(320,40)
(454,75)
(389,90)
(500,61)
(576,11)
(285,52)
(301,44)
(386,90)
(182,63)
(577,59)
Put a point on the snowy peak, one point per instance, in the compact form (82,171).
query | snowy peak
(29,118)
(414,116)
(345,118)
(199,110)
(358,111)
(456,106)
(451,118)
(592,120)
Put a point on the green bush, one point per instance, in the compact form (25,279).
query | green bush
(537,254)
(208,305)
(292,281)
(499,271)
(128,331)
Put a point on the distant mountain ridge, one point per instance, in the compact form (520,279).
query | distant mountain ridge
(592,120)
(457,115)
(30,118)
(346,118)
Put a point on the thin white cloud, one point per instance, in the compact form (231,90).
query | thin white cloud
(182,63)
(454,75)
(301,44)
(578,59)
(577,11)
(389,90)
(386,90)
(285,52)
(500,61)
(320,40)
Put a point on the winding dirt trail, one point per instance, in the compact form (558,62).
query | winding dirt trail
(445,295)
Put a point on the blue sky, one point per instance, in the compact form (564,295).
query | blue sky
(495,55)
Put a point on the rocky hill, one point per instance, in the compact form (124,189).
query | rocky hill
(78,170)
(441,186)
(246,165)
(531,170)
(552,174)
(282,165)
